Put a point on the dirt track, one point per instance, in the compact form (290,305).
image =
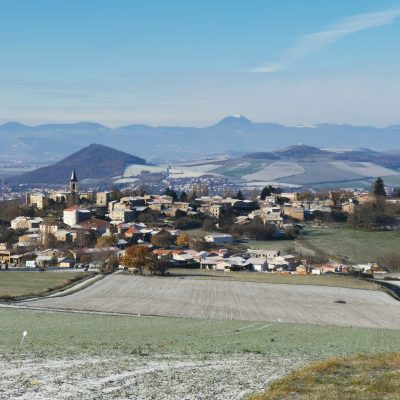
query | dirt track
(233,300)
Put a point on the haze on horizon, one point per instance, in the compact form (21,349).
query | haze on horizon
(192,63)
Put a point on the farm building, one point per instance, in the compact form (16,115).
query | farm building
(94,254)
(263,253)
(219,238)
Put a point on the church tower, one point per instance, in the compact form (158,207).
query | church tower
(73,187)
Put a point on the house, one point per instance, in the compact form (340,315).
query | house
(263,253)
(63,235)
(223,264)
(210,262)
(279,264)
(93,224)
(45,261)
(244,207)
(132,232)
(163,254)
(219,238)
(324,268)
(94,254)
(295,212)
(38,200)
(259,264)
(26,223)
(29,240)
(52,227)
(65,262)
(6,251)
(75,214)
(123,214)
(182,257)
(103,198)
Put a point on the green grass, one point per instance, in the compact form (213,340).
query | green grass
(17,284)
(56,334)
(293,279)
(357,378)
(353,246)
(285,246)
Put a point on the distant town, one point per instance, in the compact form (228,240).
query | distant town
(138,231)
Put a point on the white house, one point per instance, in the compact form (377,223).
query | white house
(26,223)
(75,214)
(263,253)
(219,238)
(259,264)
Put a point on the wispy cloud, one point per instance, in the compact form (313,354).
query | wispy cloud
(311,43)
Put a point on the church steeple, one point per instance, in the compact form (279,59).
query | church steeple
(73,187)
(73,176)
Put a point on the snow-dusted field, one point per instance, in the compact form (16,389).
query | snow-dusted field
(233,300)
(141,378)
(174,171)
(364,168)
(276,170)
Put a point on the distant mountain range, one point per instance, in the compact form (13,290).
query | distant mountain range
(231,135)
(92,162)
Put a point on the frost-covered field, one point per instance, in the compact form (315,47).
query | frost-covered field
(276,170)
(102,357)
(141,378)
(364,169)
(233,300)
(174,171)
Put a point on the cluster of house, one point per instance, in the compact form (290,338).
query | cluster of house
(259,260)
(70,231)
(79,223)
(271,210)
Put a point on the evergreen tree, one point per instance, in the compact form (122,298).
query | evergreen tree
(183,197)
(239,195)
(379,187)
(171,193)
(265,193)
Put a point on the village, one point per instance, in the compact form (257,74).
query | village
(98,231)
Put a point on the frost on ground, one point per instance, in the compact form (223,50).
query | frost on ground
(140,377)
(226,300)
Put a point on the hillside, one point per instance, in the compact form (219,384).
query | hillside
(92,162)
(309,165)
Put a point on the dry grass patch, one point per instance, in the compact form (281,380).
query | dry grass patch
(359,377)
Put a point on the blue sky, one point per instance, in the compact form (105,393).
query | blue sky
(194,62)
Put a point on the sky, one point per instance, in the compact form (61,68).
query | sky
(192,62)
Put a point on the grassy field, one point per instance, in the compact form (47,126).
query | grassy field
(17,284)
(353,246)
(285,246)
(357,378)
(101,356)
(320,280)
(59,333)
